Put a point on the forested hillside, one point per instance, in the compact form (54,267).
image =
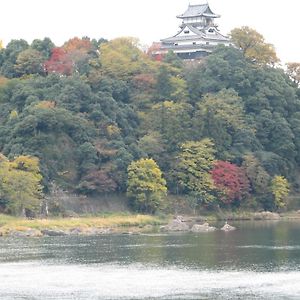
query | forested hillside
(105,117)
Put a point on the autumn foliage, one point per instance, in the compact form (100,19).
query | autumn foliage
(230,180)
(59,62)
(64,60)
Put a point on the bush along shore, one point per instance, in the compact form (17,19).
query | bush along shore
(129,224)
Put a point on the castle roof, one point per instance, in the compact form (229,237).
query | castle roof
(198,10)
(196,34)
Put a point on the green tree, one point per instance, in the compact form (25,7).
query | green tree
(257,175)
(221,116)
(44,46)
(10,54)
(172,120)
(145,186)
(195,162)
(280,189)
(29,61)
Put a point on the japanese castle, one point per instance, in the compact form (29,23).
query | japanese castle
(198,34)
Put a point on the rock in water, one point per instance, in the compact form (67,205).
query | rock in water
(176,225)
(228,227)
(203,228)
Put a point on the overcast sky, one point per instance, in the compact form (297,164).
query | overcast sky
(149,20)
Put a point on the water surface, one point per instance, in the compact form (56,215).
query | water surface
(260,260)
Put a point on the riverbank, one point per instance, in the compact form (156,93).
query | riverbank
(13,226)
(122,223)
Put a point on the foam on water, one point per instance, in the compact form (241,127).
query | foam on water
(33,280)
(287,247)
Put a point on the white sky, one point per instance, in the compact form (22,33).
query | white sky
(149,20)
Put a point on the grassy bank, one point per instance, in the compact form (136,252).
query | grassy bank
(9,223)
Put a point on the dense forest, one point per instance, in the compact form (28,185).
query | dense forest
(100,117)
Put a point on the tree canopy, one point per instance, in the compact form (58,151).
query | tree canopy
(103,117)
(253,45)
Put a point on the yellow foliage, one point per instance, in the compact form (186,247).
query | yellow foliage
(254,46)
(26,163)
(193,169)
(113,130)
(280,189)
(145,185)
(47,104)
(20,183)
(122,58)
(13,114)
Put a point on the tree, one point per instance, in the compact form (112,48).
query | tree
(59,62)
(253,45)
(230,180)
(78,51)
(172,120)
(121,58)
(20,184)
(10,54)
(195,162)
(97,181)
(280,189)
(152,144)
(221,116)
(257,175)
(72,57)
(145,186)
(29,61)
(43,46)
(293,70)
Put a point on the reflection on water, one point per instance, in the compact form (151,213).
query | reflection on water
(258,261)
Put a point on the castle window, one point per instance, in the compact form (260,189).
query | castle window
(207,43)
(194,43)
(176,44)
(211,30)
(186,31)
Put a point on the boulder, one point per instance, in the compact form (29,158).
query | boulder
(228,227)
(202,228)
(25,233)
(176,225)
(76,231)
(97,231)
(51,232)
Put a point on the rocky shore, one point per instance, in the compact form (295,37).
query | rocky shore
(187,225)
(193,224)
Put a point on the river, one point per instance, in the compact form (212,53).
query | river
(260,260)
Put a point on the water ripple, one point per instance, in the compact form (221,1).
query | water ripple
(110,281)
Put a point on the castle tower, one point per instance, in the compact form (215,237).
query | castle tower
(198,34)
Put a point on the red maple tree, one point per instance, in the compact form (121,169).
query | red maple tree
(230,180)
(64,60)
(59,62)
